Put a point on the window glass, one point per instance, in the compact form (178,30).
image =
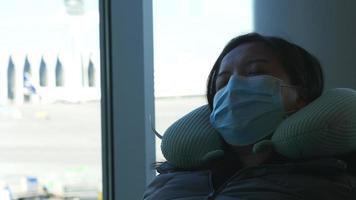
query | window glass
(188,38)
(49,103)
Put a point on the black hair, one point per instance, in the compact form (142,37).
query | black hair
(303,69)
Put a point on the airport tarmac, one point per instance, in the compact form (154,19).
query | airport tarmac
(60,143)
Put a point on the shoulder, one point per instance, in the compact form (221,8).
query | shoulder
(172,183)
(316,179)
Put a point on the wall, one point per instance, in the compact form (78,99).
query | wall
(324,27)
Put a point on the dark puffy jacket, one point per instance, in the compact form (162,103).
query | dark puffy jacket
(322,179)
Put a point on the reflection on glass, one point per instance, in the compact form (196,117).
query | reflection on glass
(50,144)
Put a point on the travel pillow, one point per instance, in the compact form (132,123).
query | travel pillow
(325,127)
(191,142)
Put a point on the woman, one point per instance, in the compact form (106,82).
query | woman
(256,82)
(273,59)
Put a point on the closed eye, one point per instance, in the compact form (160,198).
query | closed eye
(256,73)
(256,67)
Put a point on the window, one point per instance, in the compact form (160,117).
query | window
(50,123)
(11,80)
(188,38)
(59,73)
(91,74)
(43,73)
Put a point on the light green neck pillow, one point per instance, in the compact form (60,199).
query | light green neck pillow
(191,142)
(325,127)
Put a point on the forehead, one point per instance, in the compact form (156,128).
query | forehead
(248,51)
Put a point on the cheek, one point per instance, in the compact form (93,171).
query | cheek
(290,98)
(221,82)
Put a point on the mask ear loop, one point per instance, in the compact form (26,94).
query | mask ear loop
(153,128)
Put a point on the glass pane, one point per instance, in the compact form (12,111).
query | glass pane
(188,38)
(50,129)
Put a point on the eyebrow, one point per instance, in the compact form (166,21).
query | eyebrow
(257,60)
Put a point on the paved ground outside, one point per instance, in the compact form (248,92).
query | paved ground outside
(60,143)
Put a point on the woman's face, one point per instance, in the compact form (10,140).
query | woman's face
(255,58)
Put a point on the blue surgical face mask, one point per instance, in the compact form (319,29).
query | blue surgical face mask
(248,109)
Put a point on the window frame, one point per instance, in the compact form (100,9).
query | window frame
(128,145)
